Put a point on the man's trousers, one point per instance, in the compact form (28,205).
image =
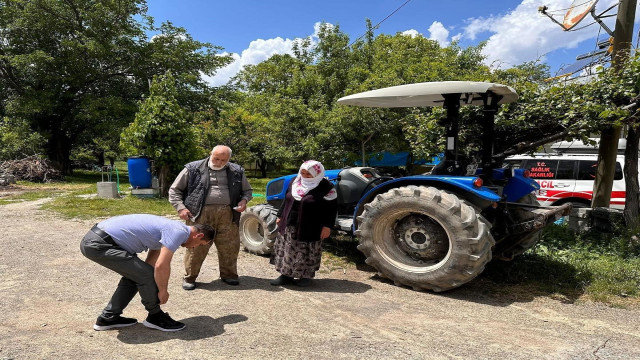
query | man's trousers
(137,275)
(227,241)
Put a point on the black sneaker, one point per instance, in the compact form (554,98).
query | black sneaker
(162,321)
(105,323)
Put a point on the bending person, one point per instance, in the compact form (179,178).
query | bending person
(114,243)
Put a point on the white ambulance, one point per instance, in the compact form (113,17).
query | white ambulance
(569,176)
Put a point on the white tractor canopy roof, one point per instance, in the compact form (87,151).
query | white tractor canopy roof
(429,94)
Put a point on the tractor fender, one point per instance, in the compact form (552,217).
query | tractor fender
(518,186)
(462,186)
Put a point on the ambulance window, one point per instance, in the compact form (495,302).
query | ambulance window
(541,168)
(618,174)
(587,170)
(566,169)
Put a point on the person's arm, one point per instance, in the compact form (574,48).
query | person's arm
(162,270)
(331,210)
(176,191)
(152,257)
(247,195)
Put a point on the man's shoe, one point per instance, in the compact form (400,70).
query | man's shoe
(231,281)
(105,323)
(162,321)
(188,285)
(281,280)
(303,282)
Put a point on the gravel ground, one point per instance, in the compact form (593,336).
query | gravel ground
(50,296)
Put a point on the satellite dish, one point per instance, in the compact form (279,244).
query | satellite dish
(577,11)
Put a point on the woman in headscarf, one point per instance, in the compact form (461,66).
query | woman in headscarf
(304,220)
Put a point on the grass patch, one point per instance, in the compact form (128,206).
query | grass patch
(595,267)
(259,186)
(83,182)
(73,206)
(28,196)
(340,252)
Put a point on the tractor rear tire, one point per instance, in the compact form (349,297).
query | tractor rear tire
(258,229)
(424,238)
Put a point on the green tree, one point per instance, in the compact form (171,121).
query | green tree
(73,68)
(574,110)
(162,130)
(248,134)
(17,141)
(297,94)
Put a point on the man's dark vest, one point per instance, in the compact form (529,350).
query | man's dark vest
(198,186)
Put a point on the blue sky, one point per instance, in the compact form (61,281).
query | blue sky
(253,30)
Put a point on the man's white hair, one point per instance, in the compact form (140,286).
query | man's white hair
(222,147)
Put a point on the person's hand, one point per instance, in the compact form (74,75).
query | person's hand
(163,296)
(242,206)
(184,214)
(277,221)
(325,232)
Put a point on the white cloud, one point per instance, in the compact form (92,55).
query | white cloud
(259,50)
(439,33)
(413,33)
(477,25)
(526,35)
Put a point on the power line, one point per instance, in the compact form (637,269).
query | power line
(569,8)
(381,21)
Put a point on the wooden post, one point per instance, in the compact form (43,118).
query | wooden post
(608,147)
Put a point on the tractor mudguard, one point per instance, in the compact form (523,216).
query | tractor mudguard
(481,197)
(518,186)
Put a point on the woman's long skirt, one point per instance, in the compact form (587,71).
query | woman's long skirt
(296,259)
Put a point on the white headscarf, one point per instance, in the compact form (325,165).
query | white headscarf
(301,185)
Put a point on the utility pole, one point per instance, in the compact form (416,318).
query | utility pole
(608,147)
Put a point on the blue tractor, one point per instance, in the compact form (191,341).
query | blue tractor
(435,231)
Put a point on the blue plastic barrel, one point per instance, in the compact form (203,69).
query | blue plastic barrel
(139,172)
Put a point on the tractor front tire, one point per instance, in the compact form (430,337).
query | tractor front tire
(258,229)
(424,238)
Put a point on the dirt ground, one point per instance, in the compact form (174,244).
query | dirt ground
(50,296)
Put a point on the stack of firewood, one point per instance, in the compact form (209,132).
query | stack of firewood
(32,168)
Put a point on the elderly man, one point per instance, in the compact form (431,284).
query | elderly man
(212,191)
(114,243)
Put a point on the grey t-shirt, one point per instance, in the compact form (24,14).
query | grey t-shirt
(141,232)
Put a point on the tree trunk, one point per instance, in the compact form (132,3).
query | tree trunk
(100,157)
(59,152)
(631,208)
(364,153)
(608,149)
(163,180)
(262,164)
(622,43)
